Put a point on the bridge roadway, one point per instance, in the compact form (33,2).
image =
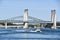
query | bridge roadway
(20,20)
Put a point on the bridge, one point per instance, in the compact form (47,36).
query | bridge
(26,20)
(19,19)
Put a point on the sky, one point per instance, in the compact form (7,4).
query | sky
(36,8)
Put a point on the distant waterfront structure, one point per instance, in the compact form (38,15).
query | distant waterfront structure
(27,21)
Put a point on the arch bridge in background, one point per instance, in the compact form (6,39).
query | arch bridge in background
(19,19)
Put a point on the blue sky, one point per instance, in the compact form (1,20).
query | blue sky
(37,8)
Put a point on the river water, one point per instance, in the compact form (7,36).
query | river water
(20,34)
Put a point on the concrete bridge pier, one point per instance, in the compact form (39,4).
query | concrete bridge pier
(42,25)
(25,25)
(5,25)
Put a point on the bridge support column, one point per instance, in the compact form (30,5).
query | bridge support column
(53,18)
(26,25)
(42,25)
(5,25)
(25,18)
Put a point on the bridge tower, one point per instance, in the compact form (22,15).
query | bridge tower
(53,18)
(25,18)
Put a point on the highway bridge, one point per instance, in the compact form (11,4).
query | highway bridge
(26,20)
(19,19)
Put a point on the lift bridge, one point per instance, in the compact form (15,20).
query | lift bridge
(26,20)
